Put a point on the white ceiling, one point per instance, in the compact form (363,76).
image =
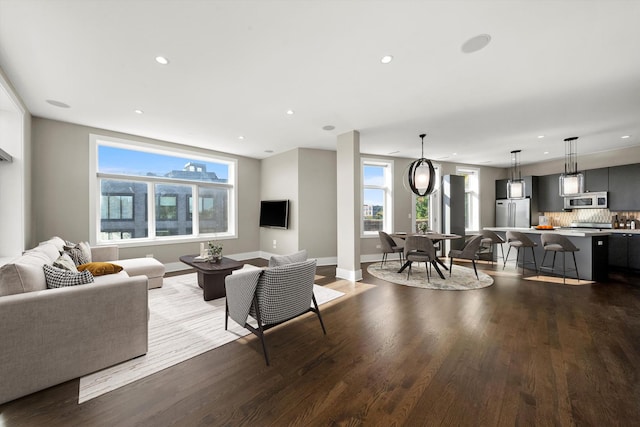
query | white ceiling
(553,68)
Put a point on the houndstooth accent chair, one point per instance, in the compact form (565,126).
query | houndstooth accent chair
(271,296)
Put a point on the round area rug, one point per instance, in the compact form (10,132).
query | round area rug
(462,278)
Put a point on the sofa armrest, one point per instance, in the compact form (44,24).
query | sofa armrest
(55,335)
(104,253)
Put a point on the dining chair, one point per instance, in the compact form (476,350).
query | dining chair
(389,246)
(557,243)
(491,239)
(519,240)
(469,251)
(419,249)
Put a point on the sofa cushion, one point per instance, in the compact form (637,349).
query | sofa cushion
(24,274)
(149,267)
(65,262)
(109,278)
(57,242)
(48,249)
(100,268)
(60,278)
(278,260)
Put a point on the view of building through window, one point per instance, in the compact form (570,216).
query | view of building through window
(376,196)
(134,182)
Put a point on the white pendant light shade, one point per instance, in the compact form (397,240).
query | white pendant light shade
(515,185)
(571,181)
(422,175)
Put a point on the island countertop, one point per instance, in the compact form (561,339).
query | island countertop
(580,232)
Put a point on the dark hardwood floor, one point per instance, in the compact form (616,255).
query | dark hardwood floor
(520,352)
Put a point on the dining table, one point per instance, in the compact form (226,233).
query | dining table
(435,237)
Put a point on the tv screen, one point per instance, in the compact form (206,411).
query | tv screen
(274,213)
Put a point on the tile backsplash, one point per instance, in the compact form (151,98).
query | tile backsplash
(564,219)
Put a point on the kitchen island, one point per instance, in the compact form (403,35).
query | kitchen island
(592,258)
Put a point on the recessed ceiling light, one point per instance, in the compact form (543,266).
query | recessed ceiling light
(162,60)
(546,152)
(455,154)
(540,136)
(241,137)
(386,59)
(290,112)
(138,111)
(625,136)
(57,103)
(328,127)
(476,43)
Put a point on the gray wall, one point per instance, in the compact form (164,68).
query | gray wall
(61,191)
(317,198)
(279,181)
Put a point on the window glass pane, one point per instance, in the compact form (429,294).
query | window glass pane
(121,161)
(373,210)
(123,209)
(213,210)
(373,175)
(422,211)
(171,218)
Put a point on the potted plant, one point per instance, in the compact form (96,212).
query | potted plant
(215,250)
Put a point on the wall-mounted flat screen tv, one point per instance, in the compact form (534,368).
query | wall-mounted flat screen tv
(274,213)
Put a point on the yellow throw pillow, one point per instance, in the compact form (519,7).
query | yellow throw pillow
(100,268)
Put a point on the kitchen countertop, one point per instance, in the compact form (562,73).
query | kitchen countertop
(580,232)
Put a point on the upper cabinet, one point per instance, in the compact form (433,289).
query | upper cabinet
(596,180)
(501,188)
(624,191)
(549,199)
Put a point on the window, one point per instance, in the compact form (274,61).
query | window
(427,208)
(116,206)
(133,179)
(471,198)
(377,196)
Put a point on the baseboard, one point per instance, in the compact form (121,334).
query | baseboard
(351,275)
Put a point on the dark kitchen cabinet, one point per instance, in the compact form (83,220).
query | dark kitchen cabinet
(596,180)
(624,191)
(624,251)
(549,199)
(501,188)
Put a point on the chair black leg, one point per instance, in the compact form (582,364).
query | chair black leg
(533,254)
(505,259)
(542,263)
(313,297)
(575,265)
(473,261)
(450,265)
(260,330)
(384,259)
(226,314)
(564,268)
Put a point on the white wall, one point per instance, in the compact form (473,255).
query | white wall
(61,191)
(15,183)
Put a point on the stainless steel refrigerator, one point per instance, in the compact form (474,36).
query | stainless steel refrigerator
(515,213)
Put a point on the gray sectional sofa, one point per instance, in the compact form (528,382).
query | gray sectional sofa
(49,336)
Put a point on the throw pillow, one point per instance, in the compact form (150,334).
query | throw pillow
(278,260)
(100,268)
(59,278)
(80,253)
(65,262)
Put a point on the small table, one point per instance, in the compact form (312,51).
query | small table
(436,237)
(211,274)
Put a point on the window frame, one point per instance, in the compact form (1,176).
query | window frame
(474,200)
(95,141)
(387,188)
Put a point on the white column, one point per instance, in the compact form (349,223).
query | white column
(349,206)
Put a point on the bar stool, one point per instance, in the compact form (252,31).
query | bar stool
(489,240)
(557,243)
(519,240)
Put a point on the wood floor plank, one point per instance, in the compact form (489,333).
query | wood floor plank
(520,352)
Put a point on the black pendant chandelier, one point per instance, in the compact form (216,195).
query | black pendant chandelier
(421,175)
(571,181)
(515,185)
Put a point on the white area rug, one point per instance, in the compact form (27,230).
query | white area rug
(462,278)
(181,326)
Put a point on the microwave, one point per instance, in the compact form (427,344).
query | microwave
(595,200)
